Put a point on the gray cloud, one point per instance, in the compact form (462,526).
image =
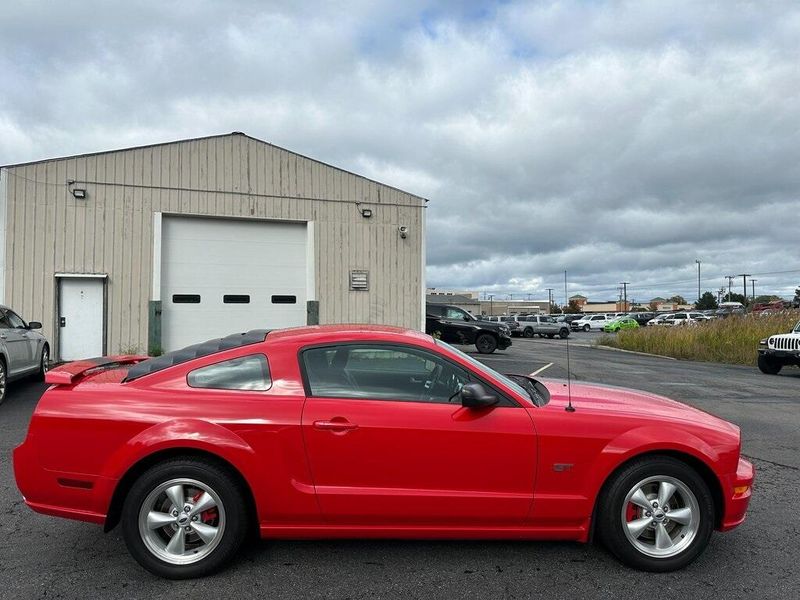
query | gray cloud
(617,140)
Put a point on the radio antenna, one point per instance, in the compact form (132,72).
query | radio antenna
(569,407)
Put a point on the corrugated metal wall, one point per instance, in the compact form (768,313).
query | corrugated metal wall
(49,231)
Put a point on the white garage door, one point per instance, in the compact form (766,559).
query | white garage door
(221,276)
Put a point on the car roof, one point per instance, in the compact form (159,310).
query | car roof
(346,331)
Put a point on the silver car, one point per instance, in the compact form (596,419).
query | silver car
(23,351)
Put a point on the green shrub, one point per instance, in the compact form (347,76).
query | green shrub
(733,340)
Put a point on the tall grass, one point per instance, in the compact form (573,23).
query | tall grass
(733,340)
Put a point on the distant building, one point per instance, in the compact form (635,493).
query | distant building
(444,292)
(514,307)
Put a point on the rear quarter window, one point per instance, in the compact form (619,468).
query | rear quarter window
(246,373)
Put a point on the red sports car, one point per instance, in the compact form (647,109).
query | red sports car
(362,431)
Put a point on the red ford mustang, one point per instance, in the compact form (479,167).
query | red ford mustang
(362,431)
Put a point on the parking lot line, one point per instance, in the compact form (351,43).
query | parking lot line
(537,371)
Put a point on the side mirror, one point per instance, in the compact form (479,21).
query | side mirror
(474,395)
(34,325)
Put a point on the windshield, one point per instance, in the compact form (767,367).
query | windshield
(486,370)
(797,327)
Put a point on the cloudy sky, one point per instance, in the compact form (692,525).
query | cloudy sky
(620,141)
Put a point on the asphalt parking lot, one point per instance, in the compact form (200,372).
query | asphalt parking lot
(48,557)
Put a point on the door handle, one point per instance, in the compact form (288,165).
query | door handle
(336,425)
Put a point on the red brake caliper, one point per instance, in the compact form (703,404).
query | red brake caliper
(207,516)
(631,512)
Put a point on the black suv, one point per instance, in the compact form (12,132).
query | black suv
(456,326)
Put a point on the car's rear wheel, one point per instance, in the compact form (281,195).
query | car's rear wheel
(528,333)
(184,518)
(3,381)
(564,333)
(586,327)
(768,366)
(657,514)
(486,343)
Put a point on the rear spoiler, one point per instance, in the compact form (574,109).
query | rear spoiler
(69,373)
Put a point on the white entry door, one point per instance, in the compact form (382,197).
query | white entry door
(81,317)
(223,276)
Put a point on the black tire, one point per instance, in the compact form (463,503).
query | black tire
(232,514)
(44,363)
(586,327)
(528,333)
(564,333)
(611,503)
(3,380)
(486,343)
(550,336)
(768,366)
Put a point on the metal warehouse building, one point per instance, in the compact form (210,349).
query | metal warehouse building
(160,246)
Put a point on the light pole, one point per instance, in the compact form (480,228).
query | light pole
(744,277)
(491,304)
(549,300)
(753,284)
(698,280)
(625,285)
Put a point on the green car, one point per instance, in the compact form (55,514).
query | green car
(621,323)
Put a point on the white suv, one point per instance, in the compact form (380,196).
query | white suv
(587,322)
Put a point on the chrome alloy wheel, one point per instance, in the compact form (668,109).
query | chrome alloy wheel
(182,521)
(2,382)
(660,516)
(45,361)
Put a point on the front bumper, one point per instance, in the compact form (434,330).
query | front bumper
(790,355)
(737,490)
(503,342)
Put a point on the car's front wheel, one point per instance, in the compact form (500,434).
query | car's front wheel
(44,363)
(486,343)
(657,514)
(768,366)
(184,518)
(3,381)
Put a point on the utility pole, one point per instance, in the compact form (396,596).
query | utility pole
(698,280)
(744,277)
(625,285)
(729,278)
(549,300)
(753,283)
(721,291)
(491,304)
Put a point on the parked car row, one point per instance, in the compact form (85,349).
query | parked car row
(530,325)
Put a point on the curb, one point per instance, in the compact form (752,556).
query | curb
(634,352)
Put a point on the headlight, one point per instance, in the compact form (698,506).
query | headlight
(505,329)
(763,342)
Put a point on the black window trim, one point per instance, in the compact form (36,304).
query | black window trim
(224,360)
(506,400)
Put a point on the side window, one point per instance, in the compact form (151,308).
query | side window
(244,373)
(455,314)
(376,372)
(436,311)
(15,321)
(4,324)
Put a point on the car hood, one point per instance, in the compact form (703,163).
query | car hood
(624,402)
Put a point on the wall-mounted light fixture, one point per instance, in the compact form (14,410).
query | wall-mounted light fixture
(79,193)
(403,231)
(366,213)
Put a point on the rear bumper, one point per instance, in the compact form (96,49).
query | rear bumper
(69,495)
(737,491)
